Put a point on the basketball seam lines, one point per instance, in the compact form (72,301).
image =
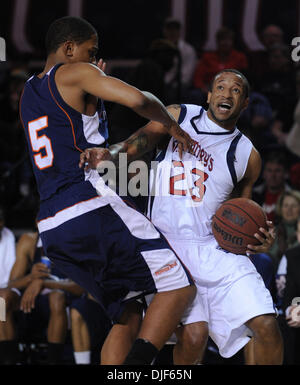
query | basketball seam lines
(230,204)
(247,235)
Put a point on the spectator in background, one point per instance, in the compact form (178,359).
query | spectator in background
(278,85)
(274,183)
(7,250)
(290,269)
(292,138)
(287,213)
(89,326)
(295,176)
(188,58)
(148,75)
(256,120)
(224,57)
(7,259)
(272,34)
(258,60)
(41,298)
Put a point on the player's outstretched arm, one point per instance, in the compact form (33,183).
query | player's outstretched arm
(251,175)
(92,80)
(143,140)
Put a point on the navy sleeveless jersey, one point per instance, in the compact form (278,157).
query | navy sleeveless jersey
(56,135)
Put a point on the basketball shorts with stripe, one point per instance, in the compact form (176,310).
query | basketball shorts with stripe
(230,292)
(115,253)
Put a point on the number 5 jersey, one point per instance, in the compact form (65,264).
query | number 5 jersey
(56,135)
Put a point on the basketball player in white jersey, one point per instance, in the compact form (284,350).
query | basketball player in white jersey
(232,302)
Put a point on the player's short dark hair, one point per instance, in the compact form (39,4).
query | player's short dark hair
(68,28)
(246,85)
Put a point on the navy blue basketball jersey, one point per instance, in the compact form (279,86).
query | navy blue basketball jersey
(56,135)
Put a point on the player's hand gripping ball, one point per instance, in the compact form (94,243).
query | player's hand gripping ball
(235,223)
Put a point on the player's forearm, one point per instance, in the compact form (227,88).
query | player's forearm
(138,144)
(66,285)
(152,108)
(135,147)
(20,283)
(94,82)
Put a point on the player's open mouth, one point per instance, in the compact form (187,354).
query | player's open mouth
(224,107)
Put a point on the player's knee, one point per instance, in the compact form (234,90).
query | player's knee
(76,317)
(57,302)
(132,314)
(265,327)
(195,336)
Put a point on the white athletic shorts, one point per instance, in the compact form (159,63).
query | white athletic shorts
(230,292)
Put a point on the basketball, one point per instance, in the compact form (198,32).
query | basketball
(235,223)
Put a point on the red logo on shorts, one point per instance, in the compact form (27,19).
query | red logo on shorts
(168,267)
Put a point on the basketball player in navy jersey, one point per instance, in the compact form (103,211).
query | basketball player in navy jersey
(232,302)
(94,237)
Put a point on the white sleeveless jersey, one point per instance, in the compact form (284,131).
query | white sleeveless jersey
(185,194)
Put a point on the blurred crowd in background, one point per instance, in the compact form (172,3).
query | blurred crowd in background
(176,72)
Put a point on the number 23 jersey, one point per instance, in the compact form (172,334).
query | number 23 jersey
(185,194)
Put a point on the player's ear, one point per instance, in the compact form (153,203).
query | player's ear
(68,48)
(246,102)
(208,97)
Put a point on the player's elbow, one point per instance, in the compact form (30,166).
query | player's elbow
(140,102)
(143,102)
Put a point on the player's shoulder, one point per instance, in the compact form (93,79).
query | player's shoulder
(72,72)
(184,111)
(249,151)
(245,141)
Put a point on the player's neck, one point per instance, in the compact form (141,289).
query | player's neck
(51,61)
(227,125)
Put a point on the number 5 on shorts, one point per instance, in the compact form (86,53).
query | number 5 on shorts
(40,142)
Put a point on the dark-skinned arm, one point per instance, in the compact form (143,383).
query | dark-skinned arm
(86,78)
(18,277)
(142,141)
(36,287)
(64,284)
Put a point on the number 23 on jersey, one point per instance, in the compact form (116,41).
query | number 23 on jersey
(196,191)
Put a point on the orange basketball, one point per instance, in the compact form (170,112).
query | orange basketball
(235,223)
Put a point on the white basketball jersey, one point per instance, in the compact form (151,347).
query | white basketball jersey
(186,193)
